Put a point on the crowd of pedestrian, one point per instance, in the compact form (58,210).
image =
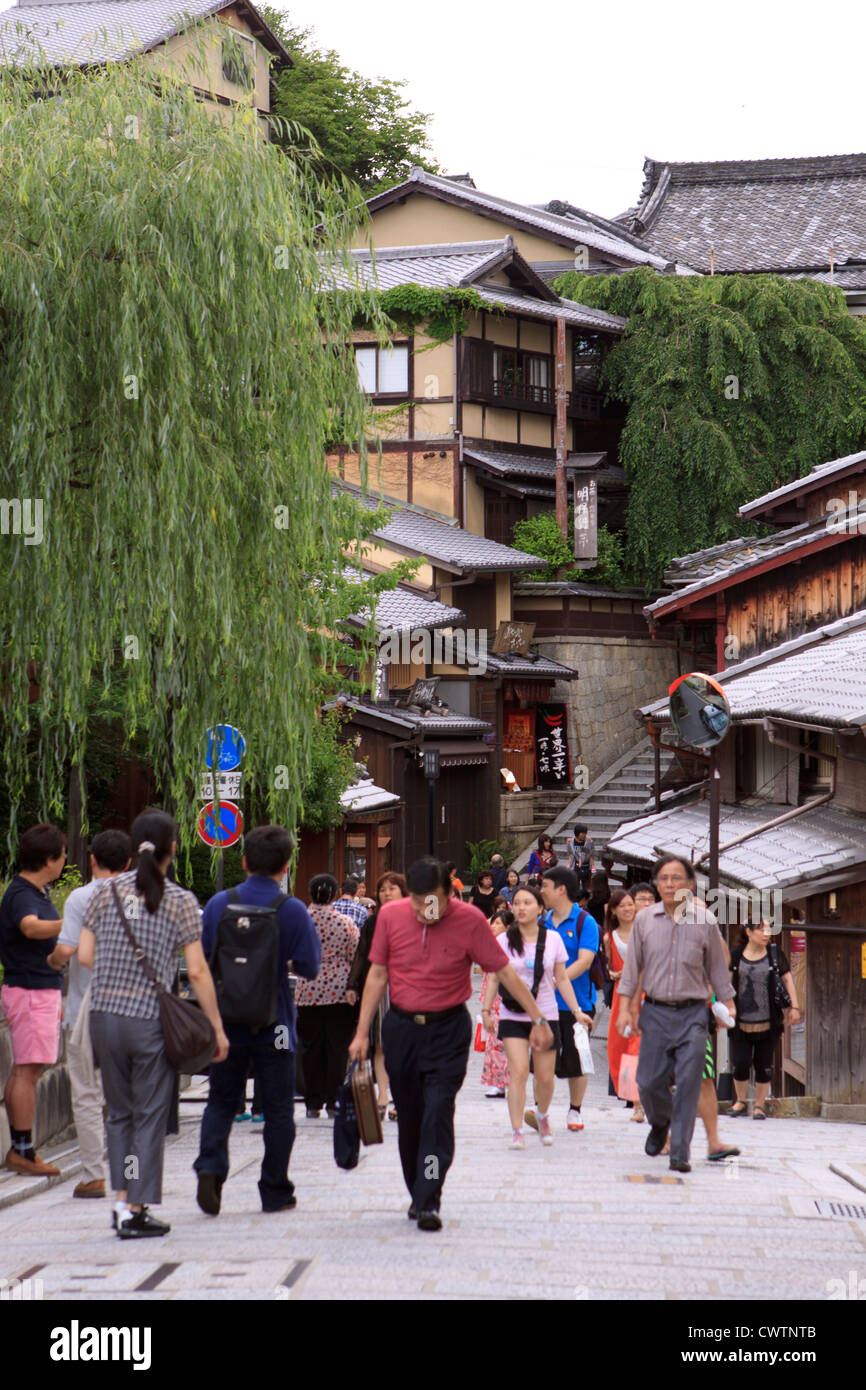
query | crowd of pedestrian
(344,977)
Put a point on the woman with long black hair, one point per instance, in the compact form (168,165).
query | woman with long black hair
(523,939)
(125,1026)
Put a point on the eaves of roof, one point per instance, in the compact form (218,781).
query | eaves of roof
(819,476)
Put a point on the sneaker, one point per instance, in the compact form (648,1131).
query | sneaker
(240,1117)
(135,1225)
(544,1131)
(257,1119)
(529,1118)
(517,1140)
(494,1094)
(429,1221)
(575,1120)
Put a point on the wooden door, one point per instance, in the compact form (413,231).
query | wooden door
(836,1034)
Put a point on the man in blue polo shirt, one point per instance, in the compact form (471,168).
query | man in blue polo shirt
(560,888)
(271,1049)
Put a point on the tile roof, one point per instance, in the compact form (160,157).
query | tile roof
(444,265)
(525,668)
(403,608)
(576,229)
(691,574)
(821,473)
(443,542)
(364,795)
(819,678)
(528,465)
(758,214)
(466,264)
(828,840)
(100,31)
(455,723)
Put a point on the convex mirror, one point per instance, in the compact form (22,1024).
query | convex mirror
(700,712)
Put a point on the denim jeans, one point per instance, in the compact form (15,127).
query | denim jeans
(274,1070)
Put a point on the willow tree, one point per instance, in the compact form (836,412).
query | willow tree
(169,376)
(734,385)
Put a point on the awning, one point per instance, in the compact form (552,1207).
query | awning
(461,752)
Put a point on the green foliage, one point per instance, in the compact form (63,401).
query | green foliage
(482,851)
(735,385)
(332,770)
(167,383)
(540,535)
(443,311)
(68,880)
(365,129)
(196,869)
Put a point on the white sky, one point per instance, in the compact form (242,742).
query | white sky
(564,100)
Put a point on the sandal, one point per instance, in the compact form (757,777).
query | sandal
(734,1113)
(758,1113)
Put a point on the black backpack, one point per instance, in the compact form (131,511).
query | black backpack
(245,962)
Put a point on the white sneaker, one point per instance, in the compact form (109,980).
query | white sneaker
(545,1131)
(575,1120)
(494,1094)
(517,1140)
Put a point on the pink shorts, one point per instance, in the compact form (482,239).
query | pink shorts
(33,1016)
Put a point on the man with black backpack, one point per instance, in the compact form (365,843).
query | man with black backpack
(250,934)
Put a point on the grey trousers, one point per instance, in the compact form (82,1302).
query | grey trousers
(138,1082)
(672,1048)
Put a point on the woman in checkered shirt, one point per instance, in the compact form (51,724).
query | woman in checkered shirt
(125,1026)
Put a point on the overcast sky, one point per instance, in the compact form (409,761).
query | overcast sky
(565,100)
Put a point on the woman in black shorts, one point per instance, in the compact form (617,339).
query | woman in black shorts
(756,967)
(523,939)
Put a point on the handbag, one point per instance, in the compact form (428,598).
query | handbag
(781,997)
(538,970)
(364,1100)
(347,1140)
(190,1041)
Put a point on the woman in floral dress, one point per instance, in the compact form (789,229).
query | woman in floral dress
(494,1071)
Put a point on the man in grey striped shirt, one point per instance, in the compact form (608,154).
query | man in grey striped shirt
(676,946)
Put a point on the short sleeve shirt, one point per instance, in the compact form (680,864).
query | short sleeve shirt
(25,959)
(79,975)
(579,932)
(339,937)
(554,950)
(120,985)
(429,964)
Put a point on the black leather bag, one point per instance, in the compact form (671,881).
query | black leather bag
(190,1041)
(508,999)
(347,1139)
(781,997)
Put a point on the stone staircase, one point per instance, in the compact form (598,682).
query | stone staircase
(619,794)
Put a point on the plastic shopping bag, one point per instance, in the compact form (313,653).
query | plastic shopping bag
(480,1035)
(581,1042)
(626,1087)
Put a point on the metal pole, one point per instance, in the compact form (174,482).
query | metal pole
(431,814)
(220,871)
(715,801)
(657,774)
(561,446)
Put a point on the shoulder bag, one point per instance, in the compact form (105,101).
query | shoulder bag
(780,998)
(508,999)
(190,1041)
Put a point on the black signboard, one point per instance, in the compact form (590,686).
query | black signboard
(552,767)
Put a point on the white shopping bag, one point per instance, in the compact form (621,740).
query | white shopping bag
(584,1052)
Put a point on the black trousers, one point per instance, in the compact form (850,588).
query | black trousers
(325,1031)
(426,1065)
(753,1049)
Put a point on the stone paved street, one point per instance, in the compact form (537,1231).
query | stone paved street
(592,1217)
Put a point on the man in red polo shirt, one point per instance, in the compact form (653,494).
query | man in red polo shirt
(423,949)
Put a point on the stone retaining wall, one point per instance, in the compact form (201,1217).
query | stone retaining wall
(617,675)
(53,1102)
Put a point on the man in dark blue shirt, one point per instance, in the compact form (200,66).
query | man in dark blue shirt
(271,1049)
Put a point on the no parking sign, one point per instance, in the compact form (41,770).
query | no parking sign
(221,828)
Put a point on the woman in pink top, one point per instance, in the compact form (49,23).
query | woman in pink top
(522,939)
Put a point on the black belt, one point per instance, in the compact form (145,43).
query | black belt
(428,1017)
(674,1003)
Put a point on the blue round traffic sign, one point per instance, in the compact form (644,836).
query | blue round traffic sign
(232,747)
(223,830)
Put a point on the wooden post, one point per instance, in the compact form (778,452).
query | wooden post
(561,446)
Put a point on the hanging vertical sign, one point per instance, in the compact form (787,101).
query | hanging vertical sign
(552,768)
(585,517)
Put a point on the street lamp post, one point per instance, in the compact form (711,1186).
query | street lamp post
(431,772)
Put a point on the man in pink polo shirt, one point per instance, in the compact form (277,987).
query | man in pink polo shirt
(423,949)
